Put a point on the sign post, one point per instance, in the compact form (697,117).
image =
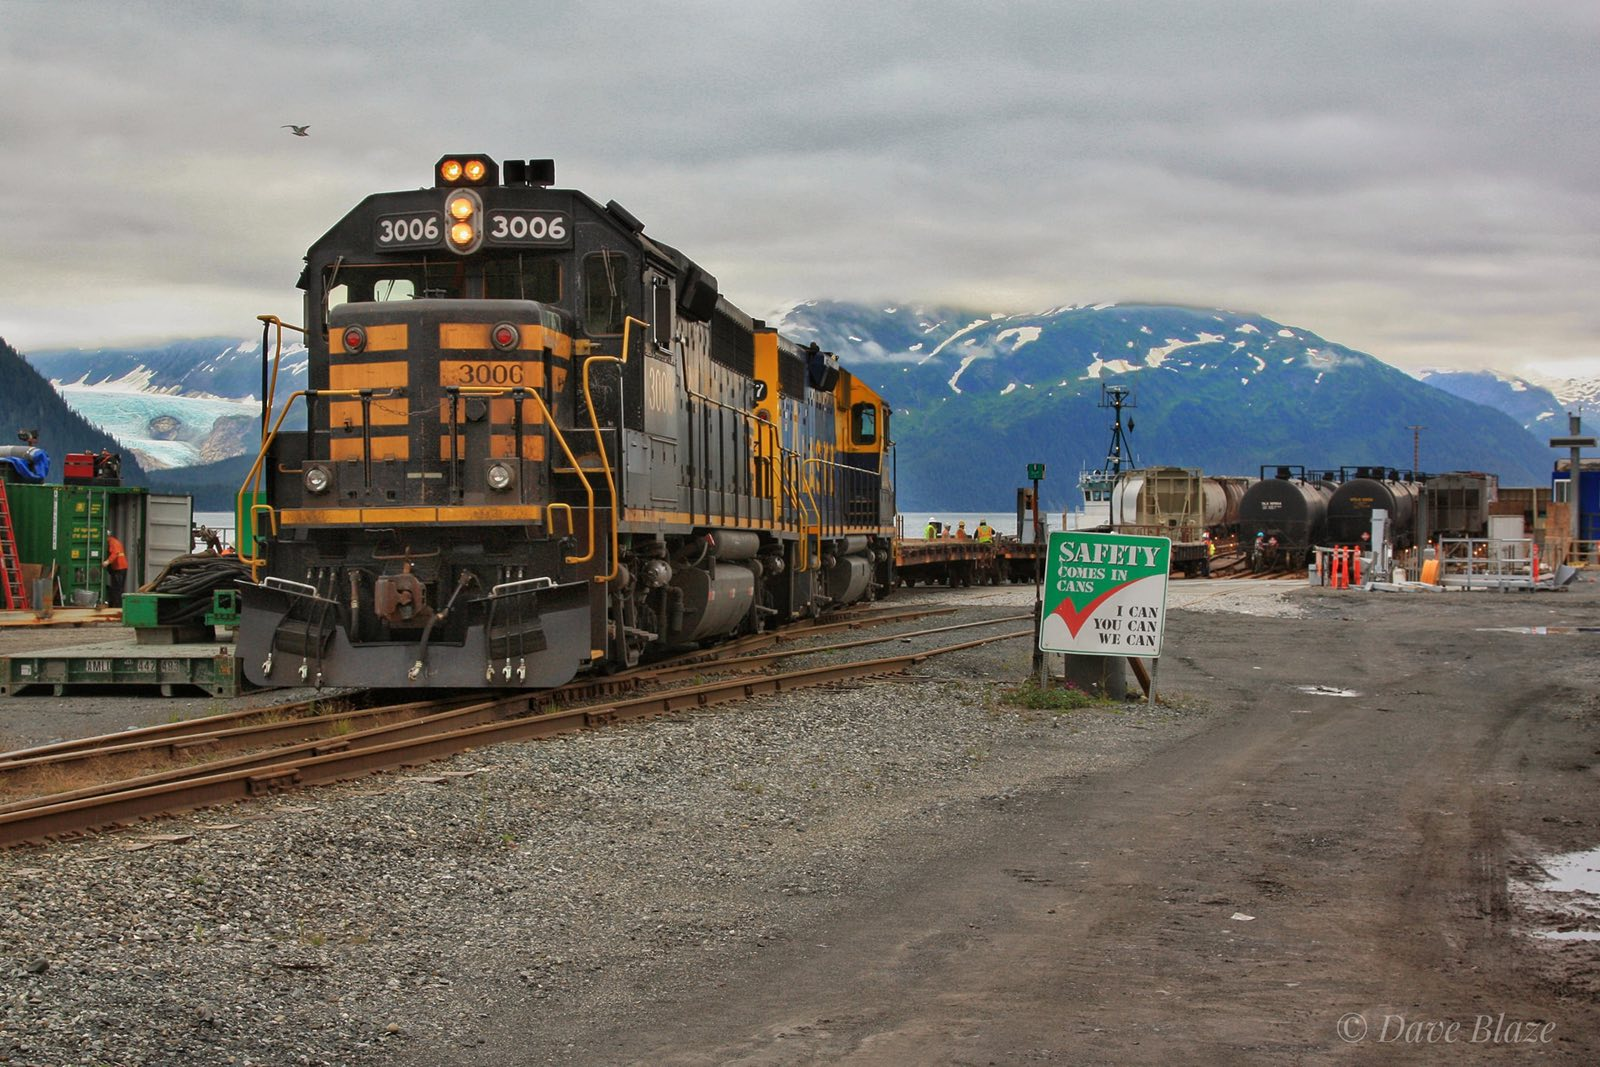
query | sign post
(1105,595)
(1036,475)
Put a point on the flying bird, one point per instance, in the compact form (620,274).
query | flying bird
(299,131)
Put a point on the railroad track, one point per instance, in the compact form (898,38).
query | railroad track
(421,732)
(1237,565)
(277,723)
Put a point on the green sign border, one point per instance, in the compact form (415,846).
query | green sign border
(1105,552)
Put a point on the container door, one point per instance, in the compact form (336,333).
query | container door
(168,522)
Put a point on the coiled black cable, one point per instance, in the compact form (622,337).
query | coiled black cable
(194,578)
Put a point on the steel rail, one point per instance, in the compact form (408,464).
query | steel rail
(271,724)
(761,658)
(345,758)
(269,742)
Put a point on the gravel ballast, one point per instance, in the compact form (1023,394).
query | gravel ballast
(386,920)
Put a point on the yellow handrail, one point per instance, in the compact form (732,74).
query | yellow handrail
(277,358)
(600,445)
(800,506)
(248,488)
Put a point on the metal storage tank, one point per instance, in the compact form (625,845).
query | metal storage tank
(1367,490)
(1125,494)
(1287,505)
(1176,502)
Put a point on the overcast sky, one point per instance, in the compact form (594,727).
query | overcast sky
(1417,180)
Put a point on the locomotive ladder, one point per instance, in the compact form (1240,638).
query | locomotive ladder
(16,596)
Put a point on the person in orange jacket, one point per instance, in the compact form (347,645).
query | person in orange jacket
(116,565)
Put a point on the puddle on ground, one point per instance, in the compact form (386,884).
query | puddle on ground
(1573,872)
(1568,935)
(1539,630)
(1326,691)
(1565,902)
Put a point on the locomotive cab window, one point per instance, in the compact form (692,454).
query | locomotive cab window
(661,318)
(864,423)
(523,278)
(605,289)
(382,282)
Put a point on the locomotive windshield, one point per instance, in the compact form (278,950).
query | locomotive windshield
(516,276)
(605,303)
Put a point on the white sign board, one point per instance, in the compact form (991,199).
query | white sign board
(1105,594)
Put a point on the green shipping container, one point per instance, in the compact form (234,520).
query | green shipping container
(66,525)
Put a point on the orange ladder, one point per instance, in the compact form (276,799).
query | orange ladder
(16,596)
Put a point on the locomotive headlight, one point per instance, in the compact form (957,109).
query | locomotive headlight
(464,208)
(475,170)
(317,479)
(500,476)
(450,170)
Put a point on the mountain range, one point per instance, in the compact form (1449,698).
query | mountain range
(976,397)
(28,402)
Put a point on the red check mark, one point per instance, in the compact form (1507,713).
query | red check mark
(1075,618)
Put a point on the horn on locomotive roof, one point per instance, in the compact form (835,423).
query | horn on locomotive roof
(540,172)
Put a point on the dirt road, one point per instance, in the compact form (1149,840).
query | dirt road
(1310,877)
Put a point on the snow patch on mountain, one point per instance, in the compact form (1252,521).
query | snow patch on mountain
(1116,366)
(1023,334)
(968,328)
(1157,356)
(966,361)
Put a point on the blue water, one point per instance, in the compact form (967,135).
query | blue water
(1005,523)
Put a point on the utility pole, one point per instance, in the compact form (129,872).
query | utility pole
(1416,472)
(1575,440)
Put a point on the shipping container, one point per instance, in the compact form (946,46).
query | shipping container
(66,526)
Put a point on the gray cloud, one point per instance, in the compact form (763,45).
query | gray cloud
(1415,179)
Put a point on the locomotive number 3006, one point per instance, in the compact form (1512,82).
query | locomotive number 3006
(396,230)
(527,228)
(489,374)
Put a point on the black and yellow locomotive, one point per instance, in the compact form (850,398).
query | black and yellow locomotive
(537,442)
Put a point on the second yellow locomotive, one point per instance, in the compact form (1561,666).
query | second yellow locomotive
(539,441)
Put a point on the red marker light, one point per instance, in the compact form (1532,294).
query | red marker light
(355,339)
(505,336)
